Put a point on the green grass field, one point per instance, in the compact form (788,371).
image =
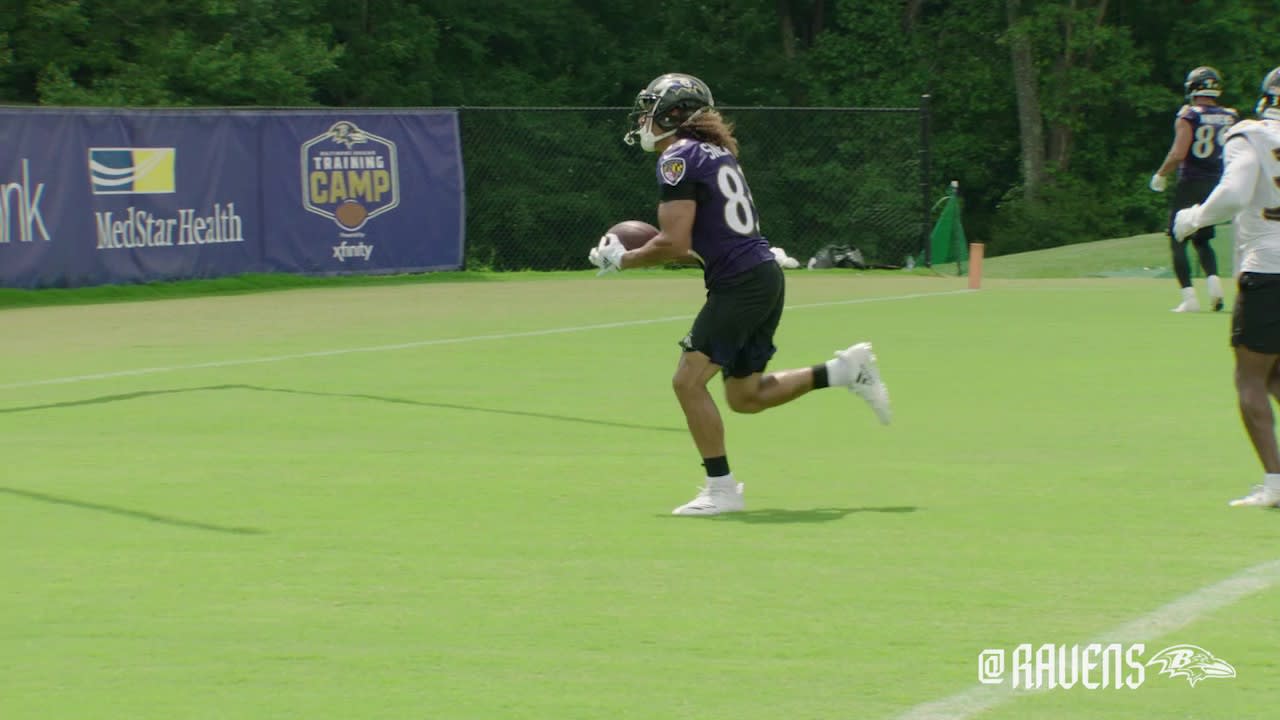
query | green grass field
(451,500)
(1144,255)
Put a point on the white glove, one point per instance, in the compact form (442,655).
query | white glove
(1184,222)
(607,255)
(1159,183)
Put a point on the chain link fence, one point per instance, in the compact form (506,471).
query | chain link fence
(544,183)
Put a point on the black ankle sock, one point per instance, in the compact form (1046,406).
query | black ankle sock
(716,466)
(820,377)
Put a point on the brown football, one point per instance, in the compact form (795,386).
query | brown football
(633,233)
(351,214)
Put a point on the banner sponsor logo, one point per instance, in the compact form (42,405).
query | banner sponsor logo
(359,251)
(20,216)
(350,176)
(150,171)
(132,171)
(136,228)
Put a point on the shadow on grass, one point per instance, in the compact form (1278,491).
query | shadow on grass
(126,512)
(355,396)
(778,516)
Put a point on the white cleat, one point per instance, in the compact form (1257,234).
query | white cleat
(1215,293)
(1189,302)
(864,379)
(713,499)
(1262,496)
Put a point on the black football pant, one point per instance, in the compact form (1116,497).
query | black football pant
(1185,194)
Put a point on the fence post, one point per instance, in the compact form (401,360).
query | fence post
(976,251)
(925,170)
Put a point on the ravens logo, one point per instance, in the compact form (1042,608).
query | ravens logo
(1193,662)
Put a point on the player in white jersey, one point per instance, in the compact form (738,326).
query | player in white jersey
(1249,194)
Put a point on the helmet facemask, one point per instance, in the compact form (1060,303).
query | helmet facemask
(641,120)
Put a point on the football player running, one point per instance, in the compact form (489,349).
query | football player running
(1196,153)
(705,208)
(1249,193)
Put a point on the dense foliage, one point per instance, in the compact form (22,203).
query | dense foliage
(1050,113)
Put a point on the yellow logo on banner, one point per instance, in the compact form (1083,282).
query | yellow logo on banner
(132,171)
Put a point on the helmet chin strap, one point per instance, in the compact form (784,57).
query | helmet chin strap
(648,140)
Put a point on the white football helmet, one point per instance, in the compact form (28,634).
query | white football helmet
(1269,104)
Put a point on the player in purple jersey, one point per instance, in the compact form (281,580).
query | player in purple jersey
(705,209)
(1198,130)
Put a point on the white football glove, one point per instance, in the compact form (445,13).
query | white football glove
(1158,183)
(1184,223)
(607,255)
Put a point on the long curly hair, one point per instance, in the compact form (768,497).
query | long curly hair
(710,126)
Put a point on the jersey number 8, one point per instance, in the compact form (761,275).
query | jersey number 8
(739,210)
(1206,141)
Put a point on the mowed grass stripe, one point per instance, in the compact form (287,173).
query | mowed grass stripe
(438,341)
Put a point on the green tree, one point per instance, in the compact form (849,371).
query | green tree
(182,52)
(389,55)
(1050,113)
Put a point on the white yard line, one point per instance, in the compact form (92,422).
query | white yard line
(1154,625)
(427,343)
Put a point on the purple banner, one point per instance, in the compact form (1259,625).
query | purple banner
(90,197)
(364,191)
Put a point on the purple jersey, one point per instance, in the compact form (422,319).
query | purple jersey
(726,229)
(1209,123)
